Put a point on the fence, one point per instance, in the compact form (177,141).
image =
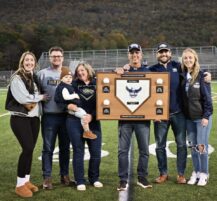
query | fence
(107,60)
(110,59)
(5,78)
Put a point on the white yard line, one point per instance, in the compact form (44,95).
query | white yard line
(5,114)
(127,195)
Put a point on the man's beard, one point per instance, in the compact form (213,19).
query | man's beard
(165,61)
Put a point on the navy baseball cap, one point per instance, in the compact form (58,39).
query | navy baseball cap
(163,46)
(134,46)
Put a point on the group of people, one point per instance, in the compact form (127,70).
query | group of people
(190,112)
(31,95)
(67,106)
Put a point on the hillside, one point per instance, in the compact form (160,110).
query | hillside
(76,25)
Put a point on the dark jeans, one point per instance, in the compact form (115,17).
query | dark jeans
(178,124)
(75,132)
(142,132)
(26,130)
(54,125)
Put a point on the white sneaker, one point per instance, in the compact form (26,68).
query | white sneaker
(81,187)
(194,178)
(97,184)
(203,179)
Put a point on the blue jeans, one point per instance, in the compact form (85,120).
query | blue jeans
(178,124)
(199,135)
(142,132)
(54,125)
(75,132)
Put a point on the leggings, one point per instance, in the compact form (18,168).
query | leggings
(26,130)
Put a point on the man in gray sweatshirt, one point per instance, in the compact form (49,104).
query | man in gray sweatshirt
(53,121)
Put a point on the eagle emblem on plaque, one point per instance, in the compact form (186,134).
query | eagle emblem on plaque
(133,93)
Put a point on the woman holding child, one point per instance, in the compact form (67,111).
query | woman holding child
(84,84)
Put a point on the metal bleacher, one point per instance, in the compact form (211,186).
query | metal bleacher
(107,60)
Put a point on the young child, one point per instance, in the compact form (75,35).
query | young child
(65,93)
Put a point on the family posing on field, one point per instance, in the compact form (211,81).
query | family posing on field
(67,106)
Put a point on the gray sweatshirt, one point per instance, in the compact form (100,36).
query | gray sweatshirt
(22,96)
(49,78)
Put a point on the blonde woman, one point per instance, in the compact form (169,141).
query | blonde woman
(22,101)
(198,110)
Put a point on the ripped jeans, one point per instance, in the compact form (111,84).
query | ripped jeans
(199,135)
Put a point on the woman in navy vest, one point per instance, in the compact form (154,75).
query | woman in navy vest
(198,110)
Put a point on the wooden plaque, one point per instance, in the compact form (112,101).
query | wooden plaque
(132,96)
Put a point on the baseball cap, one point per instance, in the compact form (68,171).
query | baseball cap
(65,71)
(163,46)
(134,46)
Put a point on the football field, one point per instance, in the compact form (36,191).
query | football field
(170,191)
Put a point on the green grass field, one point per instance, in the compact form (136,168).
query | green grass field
(169,191)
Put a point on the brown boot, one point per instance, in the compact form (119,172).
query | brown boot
(89,135)
(161,179)
(31,187)
(181,179)
(23,191)
(47,184)
(65,180)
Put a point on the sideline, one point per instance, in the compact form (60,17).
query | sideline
(3,89)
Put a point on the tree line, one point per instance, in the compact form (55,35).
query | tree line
(39,38)
(83,25)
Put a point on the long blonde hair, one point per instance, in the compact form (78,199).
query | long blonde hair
(21,70)
(89,69)
(25,75)
(196,67)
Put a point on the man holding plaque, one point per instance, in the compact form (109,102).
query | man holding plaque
(126,129)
